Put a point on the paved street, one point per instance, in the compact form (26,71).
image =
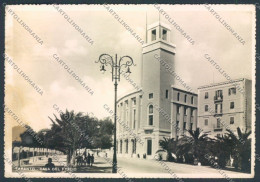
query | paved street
(130,165)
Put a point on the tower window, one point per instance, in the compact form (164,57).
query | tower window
(184,125)
(178,96)
(185,98)
(150,95)
(150,115)
(192,99)
(164,34)
(153,35)
(166,94)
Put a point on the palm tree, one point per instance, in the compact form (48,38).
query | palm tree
(65,133)
(241,151)
(194,145)
(222,148)
(168,145)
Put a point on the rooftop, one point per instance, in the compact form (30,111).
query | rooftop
(222,83)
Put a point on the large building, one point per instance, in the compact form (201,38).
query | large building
(160,109)
(225,105)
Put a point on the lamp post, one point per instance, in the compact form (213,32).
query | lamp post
(116,66)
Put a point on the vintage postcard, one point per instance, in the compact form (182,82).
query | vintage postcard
(129,91)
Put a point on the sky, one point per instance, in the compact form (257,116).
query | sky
(109,36)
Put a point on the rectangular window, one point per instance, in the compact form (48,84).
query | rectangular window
(206,122)
(153,35)
(232,120)
(218,95)
(126,118)
(191,124)
(232,105)
(149,147)
(178,110)
(134,119)
(232,91)
(126,146)
(134,101)
(185,98)
(150,95)
(164,34)
(218,123)
(166,94)
(206,95)
(121,145)
(184,125)
(150,119)
(185,111)
(206,108)
(192,100)
(178,97)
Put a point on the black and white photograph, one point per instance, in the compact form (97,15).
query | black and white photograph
(130,91)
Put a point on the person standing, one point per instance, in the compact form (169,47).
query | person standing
(88,159)
(92,160)
(50,165)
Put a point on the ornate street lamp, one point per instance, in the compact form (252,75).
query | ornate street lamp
(124,63)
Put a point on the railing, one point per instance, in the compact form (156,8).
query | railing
(218,97)
(217,128)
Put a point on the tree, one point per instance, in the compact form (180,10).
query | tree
(241,151)
(104,137)
(221,148)
(72,131)
(194,145)
(168,145)
(68,133)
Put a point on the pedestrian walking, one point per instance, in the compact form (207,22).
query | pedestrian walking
(92,160)
(88,159)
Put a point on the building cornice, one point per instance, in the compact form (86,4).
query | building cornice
(185,91)
(222,83)
(159,44)
(132,93)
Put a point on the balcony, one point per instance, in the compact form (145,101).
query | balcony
(218,113)
(218,98)
(148,128)
(217,128)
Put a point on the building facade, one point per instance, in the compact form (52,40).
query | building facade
(159,109)
(225,105)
